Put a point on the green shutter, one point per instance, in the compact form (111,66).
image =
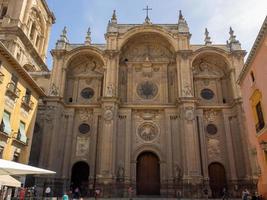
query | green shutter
(23,137)
(6,120)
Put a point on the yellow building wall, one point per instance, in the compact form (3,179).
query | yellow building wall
(17,114)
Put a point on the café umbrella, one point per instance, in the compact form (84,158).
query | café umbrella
(13,168)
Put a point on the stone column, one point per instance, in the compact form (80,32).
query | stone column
(128,137)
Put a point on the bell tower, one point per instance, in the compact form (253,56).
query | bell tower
(25,27)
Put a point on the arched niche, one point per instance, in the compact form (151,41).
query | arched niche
(148,56)
(84,78)
(212,79)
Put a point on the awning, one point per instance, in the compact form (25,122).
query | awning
(7,180)
(12,168)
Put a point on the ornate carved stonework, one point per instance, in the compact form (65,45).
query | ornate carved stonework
(189,113)
(85,115)
(82,146)
(148,131)
(210,115)
(108,114)
(54,90)
(214,151)
(187,91)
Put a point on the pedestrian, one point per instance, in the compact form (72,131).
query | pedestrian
(65,196)
(245,195)
(97,193)
(130,192)
(22,193)
(76,194)
(47,192)
(224,194)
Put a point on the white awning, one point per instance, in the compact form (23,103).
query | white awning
(13,168)
(6,180)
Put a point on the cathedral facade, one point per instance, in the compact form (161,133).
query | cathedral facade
(148,109)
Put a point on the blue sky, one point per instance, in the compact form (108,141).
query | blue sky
(245,17)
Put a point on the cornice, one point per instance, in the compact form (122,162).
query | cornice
(261,35)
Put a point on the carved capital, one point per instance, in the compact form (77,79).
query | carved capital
(111,54)
(184,54)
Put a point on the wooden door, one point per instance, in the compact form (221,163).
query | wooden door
(148,174)
(217,179)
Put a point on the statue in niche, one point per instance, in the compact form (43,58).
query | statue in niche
(110,90)
(178,172)
(120,173)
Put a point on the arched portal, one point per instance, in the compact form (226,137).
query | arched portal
(79,176)
(148,174)
(217,179)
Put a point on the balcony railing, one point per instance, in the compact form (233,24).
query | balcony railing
(260,126)
(18,138)
(1,77)
(26,103)
(12,91)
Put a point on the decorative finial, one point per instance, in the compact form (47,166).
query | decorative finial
(114,17)
(207,37)
(181,17)
(88,37)
(233,43)
(63,36)
(182,24)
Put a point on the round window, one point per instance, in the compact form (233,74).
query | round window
(84,128)
(207,94)
(211,129)
(87,93)
(147,90)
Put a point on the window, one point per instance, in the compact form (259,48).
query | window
(16,157)
(252,77)
(14,80)
(5,124)
(87,93)
(21,133)
(1,152)
(207,94)
(260,118)
(27,96)
(211,129)
(3,12)
(33,28)
(84,128)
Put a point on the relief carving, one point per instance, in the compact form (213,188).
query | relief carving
(82,146)
(187,91)
(214,151)
(189,113)
(210,115)
(54,90)
(108,114)
(205,69)
(148,132)
(85,115)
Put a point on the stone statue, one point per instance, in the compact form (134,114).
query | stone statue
(177,172)
(120,173)
(110,90)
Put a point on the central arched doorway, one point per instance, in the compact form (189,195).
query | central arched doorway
(217,179)
(79,177)
(148,174)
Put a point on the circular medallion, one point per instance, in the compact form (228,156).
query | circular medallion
(207,94)
(87,93)
(148,131)
(84,128)
(108,115)
(211,129)
(147,90)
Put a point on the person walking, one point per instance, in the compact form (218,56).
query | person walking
(47,192)
(65,196)
(245,194)
(130,192)
(225,194)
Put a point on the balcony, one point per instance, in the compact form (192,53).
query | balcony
(26,103)
(1,77)
(12,91)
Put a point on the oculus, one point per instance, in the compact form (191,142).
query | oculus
(207,94)
(84,128)
(147,90)
(87,93)
(211,129)
(148,132)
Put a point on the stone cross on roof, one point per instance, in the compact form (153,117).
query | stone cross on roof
(147,9)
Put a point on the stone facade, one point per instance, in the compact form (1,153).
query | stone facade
(148,89)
